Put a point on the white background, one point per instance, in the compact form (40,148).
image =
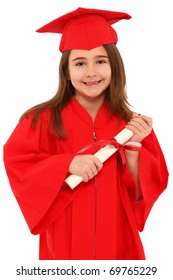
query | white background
(29,75)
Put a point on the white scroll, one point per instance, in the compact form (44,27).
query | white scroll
(103,154)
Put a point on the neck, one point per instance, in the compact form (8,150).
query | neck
(91,105)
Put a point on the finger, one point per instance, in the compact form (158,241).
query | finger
(147,119)
(136,132)
(90,172)
(137,125)
(97,163)
(134,114)
(88,175)
(85,179)
(92,168)
(144,122)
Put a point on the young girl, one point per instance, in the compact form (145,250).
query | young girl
(101,217)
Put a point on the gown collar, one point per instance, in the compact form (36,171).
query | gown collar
(101,117)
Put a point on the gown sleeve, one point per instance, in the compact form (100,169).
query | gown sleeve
(36,174)
(153,174)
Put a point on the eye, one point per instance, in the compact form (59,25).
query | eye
(101,61)
(80,63)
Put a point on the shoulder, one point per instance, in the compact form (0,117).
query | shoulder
(35,115)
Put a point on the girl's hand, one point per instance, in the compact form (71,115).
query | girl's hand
(85,166)
(140,125)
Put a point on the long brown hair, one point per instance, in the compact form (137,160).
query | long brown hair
(116,96)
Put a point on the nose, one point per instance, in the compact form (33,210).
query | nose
(91,70)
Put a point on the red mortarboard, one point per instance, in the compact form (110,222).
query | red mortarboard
(85,28)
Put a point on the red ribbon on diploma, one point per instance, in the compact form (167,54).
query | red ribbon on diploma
(109,147)
(132,146)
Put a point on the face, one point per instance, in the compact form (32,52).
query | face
(89,72)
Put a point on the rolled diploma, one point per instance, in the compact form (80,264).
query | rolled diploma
(103,154)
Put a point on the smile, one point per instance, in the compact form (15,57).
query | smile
(92,83)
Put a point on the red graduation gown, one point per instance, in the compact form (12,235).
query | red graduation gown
(99,219)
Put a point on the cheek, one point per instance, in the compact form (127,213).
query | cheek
(75,75)
(107,73)
(74,79)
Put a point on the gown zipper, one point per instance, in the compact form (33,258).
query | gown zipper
(94,136)
(95,201)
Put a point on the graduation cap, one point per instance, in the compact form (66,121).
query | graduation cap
(85,28)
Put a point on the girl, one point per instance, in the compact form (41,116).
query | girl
(101,217)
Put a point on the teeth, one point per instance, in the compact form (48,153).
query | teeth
(91,83)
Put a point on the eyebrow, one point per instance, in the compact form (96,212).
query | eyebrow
(97,56)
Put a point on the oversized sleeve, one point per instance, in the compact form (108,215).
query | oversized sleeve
(36,174)
(153,174)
